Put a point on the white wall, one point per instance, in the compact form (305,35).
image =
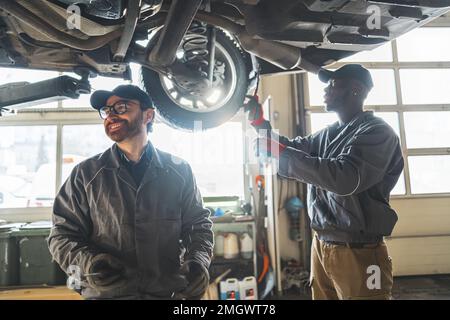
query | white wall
(420,242)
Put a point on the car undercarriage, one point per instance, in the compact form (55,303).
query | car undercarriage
(199,58)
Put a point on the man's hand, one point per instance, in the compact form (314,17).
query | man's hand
(270,147)
(106,272)
(198,280)
(256,114)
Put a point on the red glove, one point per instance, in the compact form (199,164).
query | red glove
(256,113)
(270,147)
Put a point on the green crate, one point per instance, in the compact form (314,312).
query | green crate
(9,258)
(36,265)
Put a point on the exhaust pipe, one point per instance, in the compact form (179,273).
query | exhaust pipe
(282,55)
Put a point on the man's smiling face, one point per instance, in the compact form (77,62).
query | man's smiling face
(119,127)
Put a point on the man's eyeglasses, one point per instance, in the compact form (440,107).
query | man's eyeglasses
(120,107)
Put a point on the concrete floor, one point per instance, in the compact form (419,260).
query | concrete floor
(436,287)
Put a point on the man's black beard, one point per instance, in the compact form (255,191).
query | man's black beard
(129,130)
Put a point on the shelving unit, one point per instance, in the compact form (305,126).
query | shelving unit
(240,267)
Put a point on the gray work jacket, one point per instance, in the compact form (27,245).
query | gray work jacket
(350,171)
(151,228)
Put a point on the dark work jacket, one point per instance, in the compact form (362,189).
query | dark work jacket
(350,171)
(151,228)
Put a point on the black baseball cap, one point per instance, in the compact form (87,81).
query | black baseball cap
(349,71)
(127,91)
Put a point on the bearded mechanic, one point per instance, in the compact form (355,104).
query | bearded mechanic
(130,221)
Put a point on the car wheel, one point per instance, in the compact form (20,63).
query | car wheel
(182,107)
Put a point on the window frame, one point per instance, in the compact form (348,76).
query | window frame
(61,117)
(49,117)
(400,108)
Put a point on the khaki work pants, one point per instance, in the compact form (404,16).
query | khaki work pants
(342,272)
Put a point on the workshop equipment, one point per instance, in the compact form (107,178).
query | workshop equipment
(20,95)
(212,293)
(36,265)
(9,256)
(266,277)
(293,206)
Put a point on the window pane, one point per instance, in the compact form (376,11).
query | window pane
(427,129)
(27,162)
(383,92)
(425,86)
(216,156)
(316,88)
(381,54)
(75,152)
(399,188)
(411,45)
(322,120)
(98,83)
(8,75)
(429,174)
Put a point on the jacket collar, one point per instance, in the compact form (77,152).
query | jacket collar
(363,116)
(113,157)
(355,122)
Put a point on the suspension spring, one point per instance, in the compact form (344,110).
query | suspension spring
(195,47)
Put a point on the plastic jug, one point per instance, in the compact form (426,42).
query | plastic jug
(229,289)
(219,245)
(248,289)
(231,246)
(246,246)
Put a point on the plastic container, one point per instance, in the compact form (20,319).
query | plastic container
(246,246)
(219,245)
(231,246)
(229,289)
(9,256)
(36,265)
(248,289)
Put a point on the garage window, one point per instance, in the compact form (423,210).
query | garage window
(427,129)
(411,76)
(424,44)
(425,86)
(27,166)
(383,92)
(216,156)
(430,174)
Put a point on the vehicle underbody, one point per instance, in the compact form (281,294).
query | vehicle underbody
(191,50)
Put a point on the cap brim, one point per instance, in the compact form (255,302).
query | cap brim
(325,75)
(99,98)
